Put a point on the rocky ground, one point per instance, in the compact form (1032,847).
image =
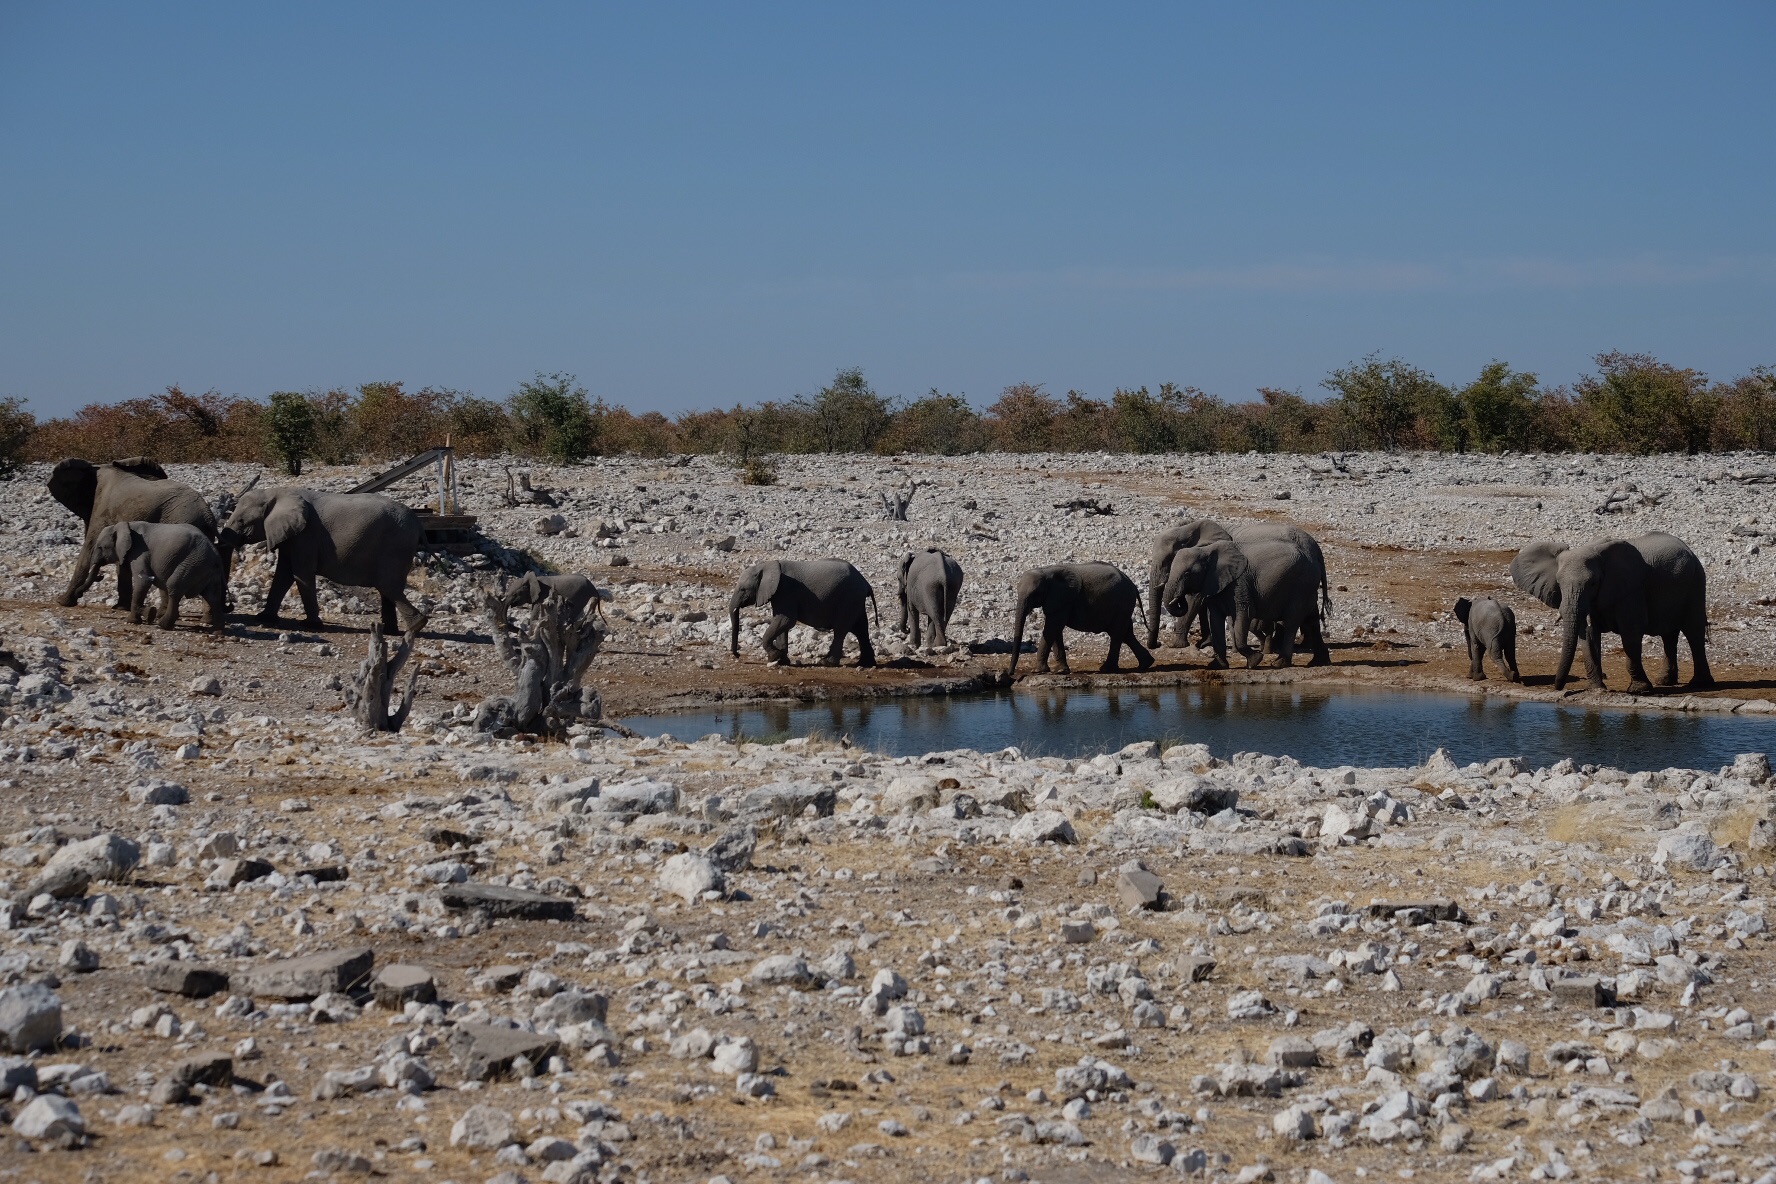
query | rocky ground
(247,941)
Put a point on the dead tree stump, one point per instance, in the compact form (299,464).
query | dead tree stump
(372,697)
(547,656)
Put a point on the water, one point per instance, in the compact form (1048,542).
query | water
(1318,727)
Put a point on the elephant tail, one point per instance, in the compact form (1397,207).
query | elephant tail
(1141,607)
(1325,595)
(875,609)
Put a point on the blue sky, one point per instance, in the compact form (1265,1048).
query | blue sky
(690,205)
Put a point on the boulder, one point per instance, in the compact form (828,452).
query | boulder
(304,978)
(50,1118)
(520,904)
(401,983)
(106,857)
(732,851)
(1044,826)
(194,980)
(689,875)
(483,1128)
(30,1018)
(483,1051)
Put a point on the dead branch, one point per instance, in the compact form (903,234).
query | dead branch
(378,678)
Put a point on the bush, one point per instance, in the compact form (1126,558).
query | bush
(758,471)
(1392,405)
(845,416)
(16,426)
(1498,409)
(1022,419)
(937,425)
(390,424)
(552,417)
(1745,413)
(290,430)
(1636,403)
(477,427)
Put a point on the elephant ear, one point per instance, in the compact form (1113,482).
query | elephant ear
(1230,567)
(906,561)
(1536,570)
(768,581)
(141,467)
(289,517)
(1463,606)
(75,483)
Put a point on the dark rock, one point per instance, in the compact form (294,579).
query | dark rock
(732,852)
(230,872)
(304,978)
(329,874)
(443,836)
(214,1070)
(483,1050)
(515,903)
(194,980)
(1433,909)
(399,984)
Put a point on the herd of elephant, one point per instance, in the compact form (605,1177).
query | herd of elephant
(1264,579)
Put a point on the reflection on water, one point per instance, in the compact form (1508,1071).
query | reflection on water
(1318,727)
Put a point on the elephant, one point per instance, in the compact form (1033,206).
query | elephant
(1202,531)
(930,582)
(1269,585)
(1491,629)
(131,490)
(361,540)
(1087,597)
(1630,587)
(823,594)
(570,589)
(172,556)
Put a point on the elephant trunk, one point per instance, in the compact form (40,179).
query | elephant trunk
(736,602)
(1017,633)
(1574,610)
(1155,593)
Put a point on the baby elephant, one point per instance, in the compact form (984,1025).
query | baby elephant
(1491,629)
(572,590)
(176,558)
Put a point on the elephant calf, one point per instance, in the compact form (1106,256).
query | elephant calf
(131,490)
(572,591)
(1491,629)
(173,557)
(820,593)
(930,582)
(1087,597)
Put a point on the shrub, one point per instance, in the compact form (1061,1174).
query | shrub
(552,417)
(1392,405)
(1745,413)
(845,416)
(1498,409)
(477,427)
(1022,419)
(290,429)
(388,423)
(939,425)
(1636,403)
(16,426)
(758,471)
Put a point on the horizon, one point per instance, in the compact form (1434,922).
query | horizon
(693,207)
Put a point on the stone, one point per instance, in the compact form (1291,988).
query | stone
(571,1006)
(1044,826)
(1293,1052)
(1138,888)
(194,980)
(159,793)
(1195,794)
(1151,1149)
(1295,1123)
(689,875)
(30,1018)
(205,684)
(1428,909)
(483,1128)
(518,904)
(102,858)
(78,957)
(483,1051)
(786,799)
(910,795)
(215,1070)
(731,853)
(1686,851)
(1248,1005)
(401,983)
(1195,968)
(50,1118)
(1586,990)
(784,969)
(1078,932)
(220,846)
(632,799)
(309,976)
(734,1055)
(230,872)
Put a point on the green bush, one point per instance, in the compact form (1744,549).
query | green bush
(290,430)
(1636,403)
(1393,405)
(937,425)
(845,416)
(16,426)
(1498,409)
(551,417)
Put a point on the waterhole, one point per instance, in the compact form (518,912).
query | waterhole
(1317,727)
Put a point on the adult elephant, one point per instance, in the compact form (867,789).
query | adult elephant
(1203,531)
(930,581)
(132,490)
(1087,597)
(1630,587)
(361,540)
(1266,585)
(823,594)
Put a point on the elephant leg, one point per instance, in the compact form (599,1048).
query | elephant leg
(169,608)
(1508,651)
(126,581)
(1143,657)
(1284,636)
(1314,640)
(390,625)
(217,609)
(940,628)
(1255,656)
(138,596)
(85,573)
(311,603)
(1218,636)
(917,636)
(1113,659)
(835,653)
(283,574)
(1476,669)
(866,653)
(1638,683)
(1669,677)
(1701,677)
(776,640)
(1053,639)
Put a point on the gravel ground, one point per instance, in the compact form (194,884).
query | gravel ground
(652,960)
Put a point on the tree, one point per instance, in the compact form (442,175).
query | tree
(552,416)
(290,428)
(1022,419)
(16,426)
(1745,419)
(847,415)
(1498,409)
(1636,403)
(937,425)
(1393,404)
